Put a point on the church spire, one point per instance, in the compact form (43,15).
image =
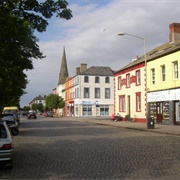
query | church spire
(63,70)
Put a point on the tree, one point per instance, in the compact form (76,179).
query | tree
(40,107)
(53,101)
(34,107)
(26,108)
(18,45)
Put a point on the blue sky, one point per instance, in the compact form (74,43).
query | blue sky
(91,37)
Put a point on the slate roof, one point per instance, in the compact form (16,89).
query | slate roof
(157,52)
(98,71)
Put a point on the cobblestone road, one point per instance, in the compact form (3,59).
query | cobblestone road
(53,148)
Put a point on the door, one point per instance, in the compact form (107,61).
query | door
(159,112)
(97,110)
(177,112)
(129,106)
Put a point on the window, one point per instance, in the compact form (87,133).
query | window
(76,92)
(138,101)
(3,133)
(86,79)
(87,110)
(107,80)
(86,92)
(96,79)
(127,80)
(104,110)
(107,93)
(97,93)
(138,77)
(153,76)
(175,69)
(119,82)
(122,103)
(163,73)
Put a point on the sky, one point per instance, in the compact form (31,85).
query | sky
(91,37)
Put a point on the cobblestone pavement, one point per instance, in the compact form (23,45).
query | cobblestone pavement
(52,148)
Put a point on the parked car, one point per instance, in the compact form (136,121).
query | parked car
(31,115)
(12,122)
(48,114)
(12,110)
(44,114)
(6,145)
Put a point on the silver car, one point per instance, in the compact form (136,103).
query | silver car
(6,145)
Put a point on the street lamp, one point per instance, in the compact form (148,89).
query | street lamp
(145,60)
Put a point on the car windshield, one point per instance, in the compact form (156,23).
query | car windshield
(10,122)
(9,112)
(5,118)
(3,133)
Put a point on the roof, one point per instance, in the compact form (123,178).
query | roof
(157,52)
(98,71)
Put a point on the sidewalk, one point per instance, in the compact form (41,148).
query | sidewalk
(158,128)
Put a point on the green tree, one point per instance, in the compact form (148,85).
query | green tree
(40,107)
(26,108)
(18,45)
(53,101)
(34,107)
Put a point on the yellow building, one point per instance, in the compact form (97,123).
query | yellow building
(163,82)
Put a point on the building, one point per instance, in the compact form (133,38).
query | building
(150,87)
(38,100)
(163,83)
(130,94)
(90,92)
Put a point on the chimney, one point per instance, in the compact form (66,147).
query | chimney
(77,70)
(174,32)
(83,67)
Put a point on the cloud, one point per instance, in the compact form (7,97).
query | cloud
(85,40)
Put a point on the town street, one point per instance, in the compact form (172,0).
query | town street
(59,148)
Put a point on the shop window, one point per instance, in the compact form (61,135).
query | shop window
(76,110)
(104,110)
(87,110)
(166,110)
(153,110)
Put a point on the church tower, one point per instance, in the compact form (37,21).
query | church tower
(63,70)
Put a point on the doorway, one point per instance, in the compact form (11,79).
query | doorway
(159,112)
(177,112)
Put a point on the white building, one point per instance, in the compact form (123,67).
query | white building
(93,92)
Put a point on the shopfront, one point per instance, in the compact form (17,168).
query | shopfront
(164,106)
(91,108)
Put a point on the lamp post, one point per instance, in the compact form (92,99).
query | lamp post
(145,60)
